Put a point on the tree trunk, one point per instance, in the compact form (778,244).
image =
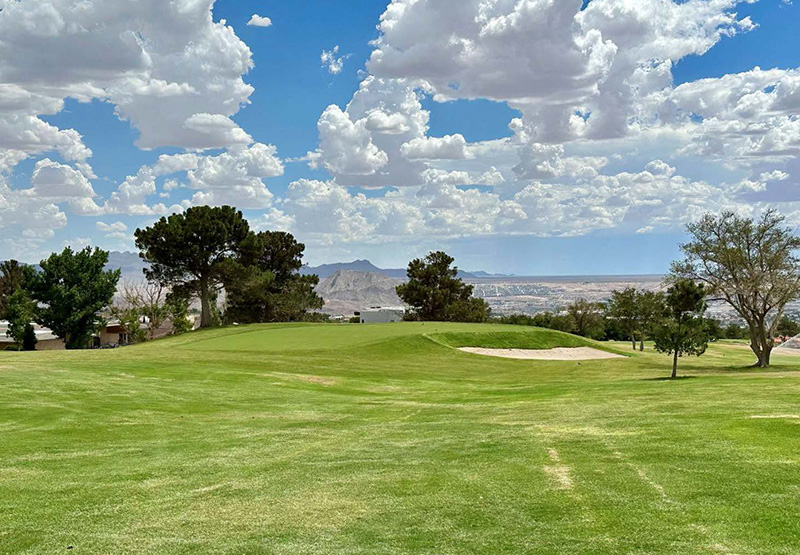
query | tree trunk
(674,365)
(633,342)
(767,342)
(760,344)
(641,344)
(205,307)
(764,354)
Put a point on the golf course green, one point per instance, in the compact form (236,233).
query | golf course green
(385,439)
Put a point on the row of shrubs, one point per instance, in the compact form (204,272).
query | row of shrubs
(605,328)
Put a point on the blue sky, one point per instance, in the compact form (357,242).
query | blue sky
(430,146)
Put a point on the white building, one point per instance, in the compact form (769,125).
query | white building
(382,314)
(46,340)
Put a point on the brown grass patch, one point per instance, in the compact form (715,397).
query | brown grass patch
(559,472)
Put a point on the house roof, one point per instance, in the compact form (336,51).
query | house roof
(42,333)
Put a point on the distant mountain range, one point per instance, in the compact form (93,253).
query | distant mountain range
(129,262)
(326,270)
(132,267)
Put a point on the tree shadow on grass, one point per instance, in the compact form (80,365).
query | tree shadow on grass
(730,371)
(668,379)
(752,369)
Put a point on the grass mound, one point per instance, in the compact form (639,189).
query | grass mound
(524,338)
(315,337)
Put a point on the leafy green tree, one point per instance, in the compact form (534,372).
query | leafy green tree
(613,331)
(787,327)
(587,317)
(29,339)
(280,253)
(177,310)
(12,276)
(317,318)
(650,308)
(563,322)
(295,299)
(552,321)
(544,320)
(714,329)
(624,309)
(195,253)
(20,311)
(435,293)
(249,296)
(71,289)
(750,264)
(271,289)
(683,330)
(471,310)
(735,331)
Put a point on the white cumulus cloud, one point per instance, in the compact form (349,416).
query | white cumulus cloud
(259,21)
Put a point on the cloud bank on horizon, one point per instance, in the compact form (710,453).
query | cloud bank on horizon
(602,137)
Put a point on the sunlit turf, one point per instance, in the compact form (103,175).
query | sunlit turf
(386,439)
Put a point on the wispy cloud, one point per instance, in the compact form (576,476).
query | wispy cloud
(332,61)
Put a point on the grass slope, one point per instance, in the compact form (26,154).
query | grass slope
(310,337)
(384,439)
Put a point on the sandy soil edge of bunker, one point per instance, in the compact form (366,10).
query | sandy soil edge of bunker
(559,353)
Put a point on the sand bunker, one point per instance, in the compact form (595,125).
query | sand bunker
(560,353)
(789,351)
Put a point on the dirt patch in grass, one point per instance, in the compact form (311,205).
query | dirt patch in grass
(317,380)
(559,353)
(308,378)
(558,472)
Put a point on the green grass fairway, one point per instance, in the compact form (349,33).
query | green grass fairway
(385,439)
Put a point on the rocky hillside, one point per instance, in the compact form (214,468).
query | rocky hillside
(347,291)
(364,266)
(327,270)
